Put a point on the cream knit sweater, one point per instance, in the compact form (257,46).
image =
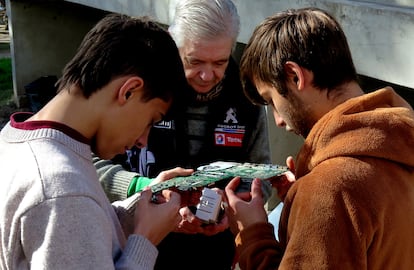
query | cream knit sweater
(53,211)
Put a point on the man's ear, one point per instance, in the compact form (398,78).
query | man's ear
(295,75)
(131,87)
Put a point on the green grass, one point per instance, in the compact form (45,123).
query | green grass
(6,81)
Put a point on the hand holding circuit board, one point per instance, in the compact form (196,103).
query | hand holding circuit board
(218,174)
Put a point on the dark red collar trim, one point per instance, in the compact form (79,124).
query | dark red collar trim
(17,120)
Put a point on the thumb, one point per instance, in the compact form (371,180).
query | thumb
(256,190)
(172,197)
(146,194)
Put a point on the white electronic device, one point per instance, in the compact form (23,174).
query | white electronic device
(208,208)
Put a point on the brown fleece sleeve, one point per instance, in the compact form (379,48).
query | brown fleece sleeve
(257,247)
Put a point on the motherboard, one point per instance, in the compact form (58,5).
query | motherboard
(221,171)
(218,174)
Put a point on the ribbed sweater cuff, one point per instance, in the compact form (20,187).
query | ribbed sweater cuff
(140,251)
(117,184)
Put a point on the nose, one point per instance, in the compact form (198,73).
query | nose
(207,73)
(279,120)
(140,143)
(143,139)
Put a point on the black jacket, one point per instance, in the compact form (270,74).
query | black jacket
(221,128)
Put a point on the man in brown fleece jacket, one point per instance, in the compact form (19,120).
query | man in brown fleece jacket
(352,205)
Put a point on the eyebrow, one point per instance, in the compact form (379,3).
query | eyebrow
(223,60)
(192,58)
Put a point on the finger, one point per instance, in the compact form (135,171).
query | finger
(219,191)
(229,190)
(167,175)
(184,211)
(166,193)
(173,197)
(186,214)
(290,162)
(256,189)
(168,196)
(178,171)
(232,185)
(191,218)
(290,176)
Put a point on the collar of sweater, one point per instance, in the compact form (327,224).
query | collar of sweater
(212,94)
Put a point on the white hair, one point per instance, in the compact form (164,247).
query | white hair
(204,20)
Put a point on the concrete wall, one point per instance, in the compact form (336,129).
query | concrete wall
(380,33)
(380,36)
(45,34)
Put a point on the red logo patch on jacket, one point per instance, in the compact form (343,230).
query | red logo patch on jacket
(230,133)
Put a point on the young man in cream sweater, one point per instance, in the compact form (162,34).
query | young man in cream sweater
(54,213)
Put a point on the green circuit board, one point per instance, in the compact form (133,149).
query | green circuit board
(206,176)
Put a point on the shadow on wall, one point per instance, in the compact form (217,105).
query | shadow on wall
(370,84)
(40,91)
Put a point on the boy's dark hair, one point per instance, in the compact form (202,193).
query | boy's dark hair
(121,45)
(310,37)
